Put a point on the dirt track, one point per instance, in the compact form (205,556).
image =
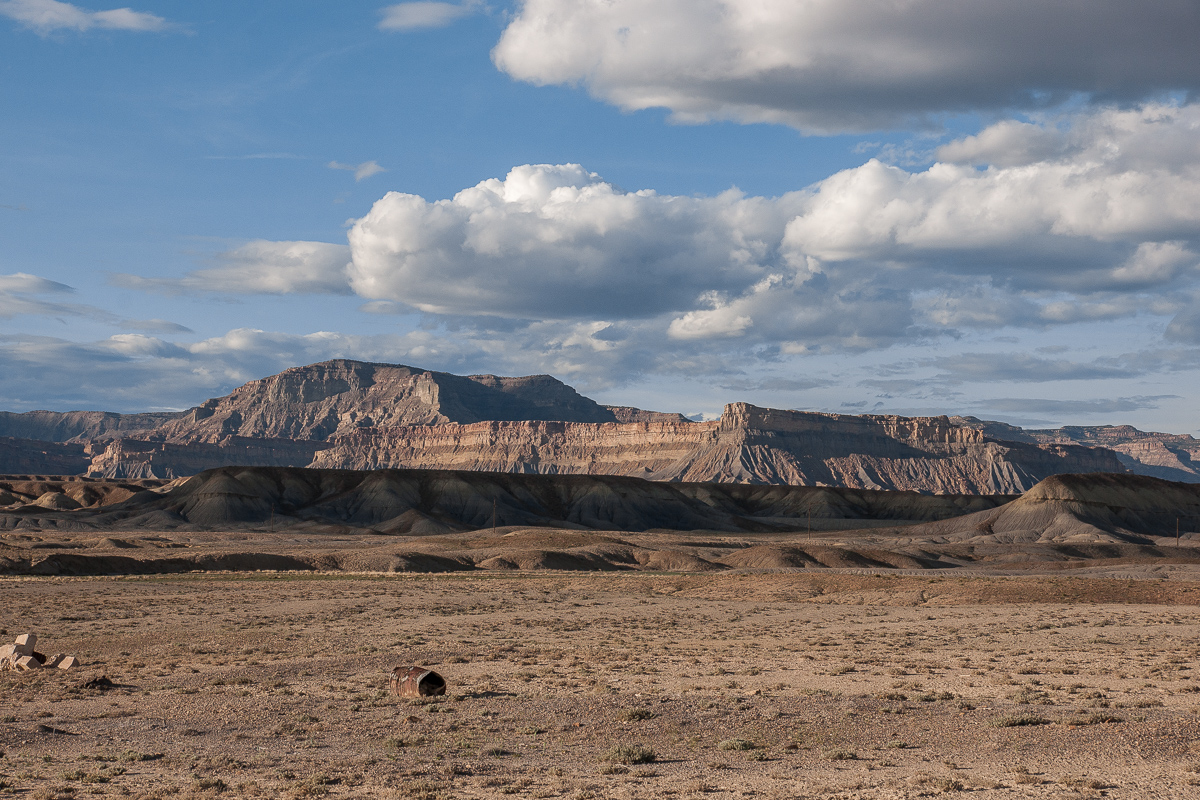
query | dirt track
(837,685)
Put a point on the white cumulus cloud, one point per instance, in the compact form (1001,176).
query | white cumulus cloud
(1094,216)
(1110,200)
(833,65)
(46,16)
(560,242)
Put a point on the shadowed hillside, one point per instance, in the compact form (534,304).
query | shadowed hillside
(422,502)
(240,518)
(1068,508)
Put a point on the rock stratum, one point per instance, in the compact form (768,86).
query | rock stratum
(353,415)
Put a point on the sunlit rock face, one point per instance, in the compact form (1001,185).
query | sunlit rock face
(346,414)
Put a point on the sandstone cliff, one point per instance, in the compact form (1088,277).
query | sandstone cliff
(135,458)
(353,415)
(747,445)
(320,401)
(1173,457)
(631,414)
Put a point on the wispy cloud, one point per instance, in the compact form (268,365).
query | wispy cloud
(260,267)
(361,171)
(1113,405)
(20,295)
(47,16)
(131,371)
(422,15)
(155,326)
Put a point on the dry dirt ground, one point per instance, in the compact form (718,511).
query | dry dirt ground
(606,685)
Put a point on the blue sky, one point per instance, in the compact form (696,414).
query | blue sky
(840,211)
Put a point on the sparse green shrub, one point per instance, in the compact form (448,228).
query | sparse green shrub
(1018,720)
(631,754)
(737,744)
(636,714)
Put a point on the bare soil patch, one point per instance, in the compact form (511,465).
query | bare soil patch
(590,685)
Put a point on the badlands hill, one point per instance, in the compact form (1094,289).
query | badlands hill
(248,518)
(424,502)
(1081,508)
(352,415)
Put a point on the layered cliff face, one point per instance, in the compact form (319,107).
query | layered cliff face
(138,459)
(323,400)
(1171,456)
(747,445)
(355,415)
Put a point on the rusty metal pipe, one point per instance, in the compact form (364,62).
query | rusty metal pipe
(417,682)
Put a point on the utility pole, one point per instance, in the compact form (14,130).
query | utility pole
(493,516)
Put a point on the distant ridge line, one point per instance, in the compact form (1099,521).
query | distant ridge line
(364,415)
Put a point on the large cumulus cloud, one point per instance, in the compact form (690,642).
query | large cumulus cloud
(1075,223)
(829,65)
(1033,224)
(557,241)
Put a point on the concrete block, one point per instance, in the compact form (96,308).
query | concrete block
(7,651)
(68,662)
(28,662)
(54,660)
(25,643)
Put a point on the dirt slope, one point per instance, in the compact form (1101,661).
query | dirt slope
(433,501)
(1082,508)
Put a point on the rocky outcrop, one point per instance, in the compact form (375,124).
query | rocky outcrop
(631,414)
(46,492)
(747,445)
(1171,456)
(320,401)
(133,458)
(345,414)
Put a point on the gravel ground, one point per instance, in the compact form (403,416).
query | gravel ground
(586,685)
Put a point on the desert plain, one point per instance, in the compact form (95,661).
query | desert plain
(814,683)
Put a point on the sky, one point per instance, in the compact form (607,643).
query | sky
(986,208)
